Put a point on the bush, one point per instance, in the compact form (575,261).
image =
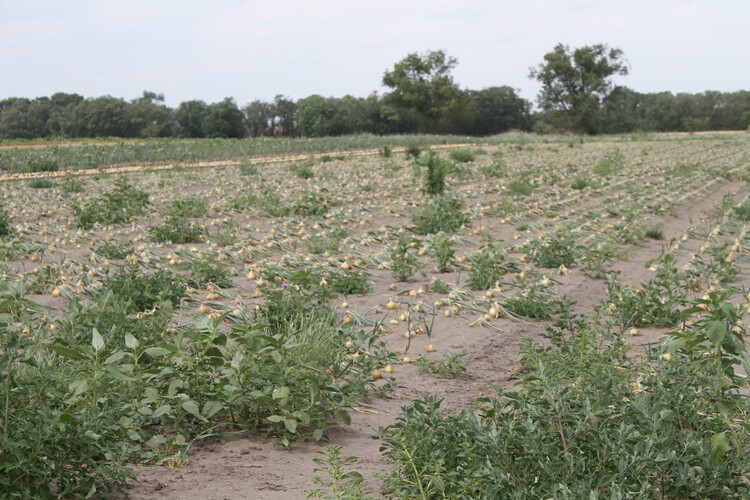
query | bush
(462,155)
(434,180)
(114,207)
(115,250)
(42,184)
(311,205)
(5,221)
(177,230)
(488,265)
(187,208)
(139,291)
(413,150)
(205,271)
(403,262)
(440,213)
(557,251)
(520,187)
(589,422)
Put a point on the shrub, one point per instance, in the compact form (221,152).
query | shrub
(42,184)
(116,206)
(557,251)
(205,271)
(112,249)
(140,291)
(444,253)
(301,170)
(403,262)
(177,230)
(520,187)
(488,265)
(348,283)
(462,155)
(385,152)
(187,208)
(589,422)
(434,180)
(311,205)
(612,163)
(5,221)
(413,150)
(440,213)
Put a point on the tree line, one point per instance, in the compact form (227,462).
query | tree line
(577,95)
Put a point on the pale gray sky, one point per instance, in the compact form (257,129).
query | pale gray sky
(257,49)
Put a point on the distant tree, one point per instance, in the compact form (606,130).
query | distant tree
(151,117)
(285,113)
(224,119)
(575,82)
(190,116)
(423,83)
(259,116)
(499,109)
(104,116)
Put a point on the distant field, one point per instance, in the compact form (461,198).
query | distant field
(270,294)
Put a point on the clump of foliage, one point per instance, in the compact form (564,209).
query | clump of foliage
(42,184)
(187,208)
(112,249)
(205,271)
(403,262)
(434,180)
(440,213)
(140,291)
(340,484)
(580,183)
(462,155)
(681,170)
(72,185)
(612,163)
(498,168)
(742,212)
(520,187)
(5,221)
(177,230)
(439,286)
(114,207)
(248,168)
(347,283)
(385,152)
(654,233)
(535,302)
(413,150)
(301,170)
(590,421)
(657,302)
(488,264)
(449,365)
(442,245)
(310,205)
(559,250)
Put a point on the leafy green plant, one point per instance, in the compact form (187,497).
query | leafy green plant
(403,262)
(498,168)
(113,249)
(462,155)
(558,250)
(535,302)
(339,485)
(311,205)
(205,271)
(488,264)
(743,211)
(348,283)
(413,150)
(580,183)
(72,185)
(520,187)
(385,151)
(444,253)
(440,213)
(434,179)
(439,286)
(42,184)
(248,168)
(657,302)
(590,421)
(654,233)
(612,163)
(301,170)
(177,230)
(114,207)
(5,221)
(449,365)
(187,208)
(140,291)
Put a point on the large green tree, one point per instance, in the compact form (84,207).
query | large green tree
(575,82)
(423,82)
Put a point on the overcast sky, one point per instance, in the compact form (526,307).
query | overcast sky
(256,49)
